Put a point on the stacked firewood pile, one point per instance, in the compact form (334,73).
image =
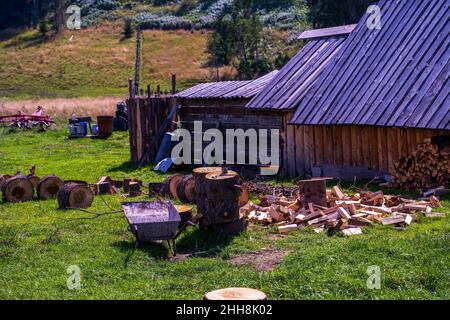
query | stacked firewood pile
(427,167)
(343,213)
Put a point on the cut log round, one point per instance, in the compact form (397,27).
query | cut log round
(221,186)
(218,212)
(75,195)
(235,294)
(168,186)
(200,186)
(230,229)
(200,177)
(185,212)
(49,187)
(174,184)
(244,196)
(34,180)
(186,189)
(17,189)
(3,178)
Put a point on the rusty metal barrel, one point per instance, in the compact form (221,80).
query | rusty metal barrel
(105,126)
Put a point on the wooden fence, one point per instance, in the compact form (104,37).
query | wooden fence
(146,115)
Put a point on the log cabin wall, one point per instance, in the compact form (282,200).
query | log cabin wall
(226,114)
(341,150)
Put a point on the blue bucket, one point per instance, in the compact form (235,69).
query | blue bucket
(84,128)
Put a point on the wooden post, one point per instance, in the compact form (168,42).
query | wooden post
(130,89)
(138,62)
(174,84)
(149,91)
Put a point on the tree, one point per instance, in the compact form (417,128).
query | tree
(329,13)
(43,27)
(59,16)
(238,39)
(128,28)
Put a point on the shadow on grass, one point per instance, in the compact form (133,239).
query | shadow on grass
(154,250)
(197,242)
(27,42)
(124,167)
(202,243)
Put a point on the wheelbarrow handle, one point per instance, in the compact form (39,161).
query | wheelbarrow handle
(183,228)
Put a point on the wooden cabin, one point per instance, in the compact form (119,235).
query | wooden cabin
(222,105)
(381,94)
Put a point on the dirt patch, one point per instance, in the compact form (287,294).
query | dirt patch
(265,260)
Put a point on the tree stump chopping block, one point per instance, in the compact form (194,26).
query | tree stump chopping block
(223,186)
(200,186)
(17,189)
(186,189)
(235,294)
(230,229)
(49,187)
(217,212)
(75,196)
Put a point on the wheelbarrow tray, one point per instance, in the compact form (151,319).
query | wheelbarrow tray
(152,221)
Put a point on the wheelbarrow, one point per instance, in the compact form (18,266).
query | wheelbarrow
(155,221)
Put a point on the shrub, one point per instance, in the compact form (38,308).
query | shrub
(128,28)
(43,27)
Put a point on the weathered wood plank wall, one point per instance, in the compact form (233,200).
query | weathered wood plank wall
(230,114)
(377,148)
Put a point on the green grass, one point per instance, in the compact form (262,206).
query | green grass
(38,243)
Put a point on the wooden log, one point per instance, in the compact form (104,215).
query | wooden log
(313,191)
(244,196)
(134,189)
(200,188)
(3,178)
(17,189)
(222,186)
(219,212)
(229,229)
(186,189)
(34,180)
(235,294)
(288,228)
(75,196)
(49,187)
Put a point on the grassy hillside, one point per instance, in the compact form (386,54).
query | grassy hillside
(96,62)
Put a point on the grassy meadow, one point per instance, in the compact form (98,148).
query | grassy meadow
(97,61)
(38,243)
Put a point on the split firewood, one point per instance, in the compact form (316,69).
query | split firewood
(338,192)
(426,168)
(393,220)
(288,228)
(341,213)
(351,231)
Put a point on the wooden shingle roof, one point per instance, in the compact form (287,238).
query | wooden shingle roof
(396,76)
(227,89)
(289,86)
